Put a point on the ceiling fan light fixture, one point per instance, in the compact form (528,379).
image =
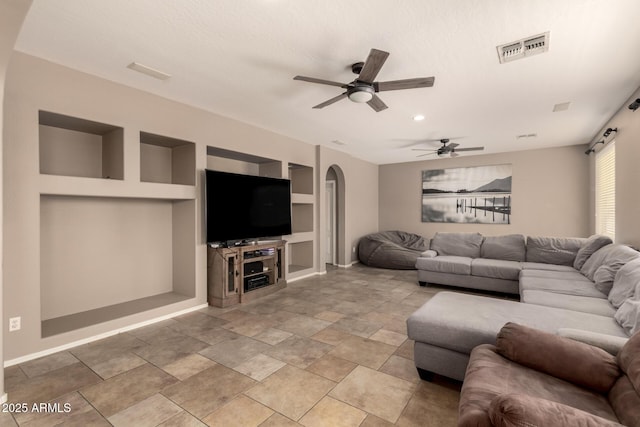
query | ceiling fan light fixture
(361,94)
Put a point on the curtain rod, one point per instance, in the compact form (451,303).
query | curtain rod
(606,133)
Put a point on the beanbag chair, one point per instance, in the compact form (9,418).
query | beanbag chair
(392,249)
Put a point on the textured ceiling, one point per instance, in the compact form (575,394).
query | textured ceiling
(238,58)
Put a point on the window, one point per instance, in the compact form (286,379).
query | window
(606,191)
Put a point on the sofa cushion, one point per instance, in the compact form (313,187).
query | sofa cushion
(510,247)
(445,264)
(560,357)
(553,250)
(459,322)
(614,255)
(589,247)
(599,306)
(542,266)
(561,286)
(625,283)
(496,268)
(603,278)
(490,375)
(628,315)
(549,274)
(457,244)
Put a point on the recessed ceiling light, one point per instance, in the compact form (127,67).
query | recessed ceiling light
(418,117)
(152,72)
(561,107)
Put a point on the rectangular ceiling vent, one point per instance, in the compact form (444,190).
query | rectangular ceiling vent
(522,48)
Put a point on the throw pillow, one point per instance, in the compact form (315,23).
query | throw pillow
(625,283)
(628,315)
(604,276)
(609,255)
(457,244)
(510,247)
(592,244)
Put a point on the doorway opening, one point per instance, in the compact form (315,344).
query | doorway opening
(334,213)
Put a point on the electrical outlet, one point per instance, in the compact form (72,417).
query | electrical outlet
(14,324)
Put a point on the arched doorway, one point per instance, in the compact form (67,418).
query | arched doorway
(334,215)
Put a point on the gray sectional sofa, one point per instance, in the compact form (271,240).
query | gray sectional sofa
(587,289)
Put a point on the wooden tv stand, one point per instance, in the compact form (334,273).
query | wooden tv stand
(241,273)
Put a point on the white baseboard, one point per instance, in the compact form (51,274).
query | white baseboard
(49,351)
(347,265)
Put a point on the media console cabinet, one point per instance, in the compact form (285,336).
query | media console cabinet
(241,273)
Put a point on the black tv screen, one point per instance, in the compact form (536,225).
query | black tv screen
(246,207)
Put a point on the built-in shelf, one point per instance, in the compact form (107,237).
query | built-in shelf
(91,187)
(300,256)
(71,146)
(302,217)
(166,160)
(223,160)
(301,178)
(87,318)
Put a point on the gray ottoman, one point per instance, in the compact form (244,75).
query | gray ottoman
(448,326)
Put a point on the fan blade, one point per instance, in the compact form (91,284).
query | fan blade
(427,154)
(470,149)
(377,104)
(448,148)
(331,101)
(405,84)
(372,65)
(320,81)
(425,149)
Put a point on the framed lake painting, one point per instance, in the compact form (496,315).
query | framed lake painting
(480,195)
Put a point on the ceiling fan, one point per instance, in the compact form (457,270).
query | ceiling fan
(445,150)
(364,88)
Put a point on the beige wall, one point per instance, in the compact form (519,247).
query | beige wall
(550,195)
(360,204)
(34,84)
(115,250)
(627,173)
(12,14)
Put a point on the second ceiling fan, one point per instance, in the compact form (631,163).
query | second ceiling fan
(364,88)
(446,149)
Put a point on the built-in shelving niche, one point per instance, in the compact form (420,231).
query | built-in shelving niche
(301,178)
(301,244)
(300,256)
(302,217)
(103,258)
(223,160)
(70,146)
(166,160)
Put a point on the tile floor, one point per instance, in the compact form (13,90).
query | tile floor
(330,350)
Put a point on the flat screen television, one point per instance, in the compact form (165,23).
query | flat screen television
(242,207)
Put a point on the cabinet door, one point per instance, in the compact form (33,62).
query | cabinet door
(231,275)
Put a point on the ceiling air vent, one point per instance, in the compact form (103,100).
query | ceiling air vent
(522,48)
